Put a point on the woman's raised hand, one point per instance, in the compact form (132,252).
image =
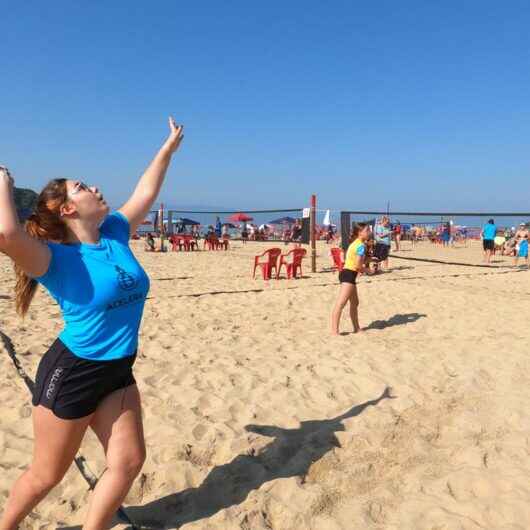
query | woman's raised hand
(175,135)
(5,176)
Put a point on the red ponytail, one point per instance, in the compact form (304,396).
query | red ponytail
(44,224)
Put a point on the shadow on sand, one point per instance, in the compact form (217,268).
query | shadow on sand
(396,320)
(290,454)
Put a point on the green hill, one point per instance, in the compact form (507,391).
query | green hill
(25,201)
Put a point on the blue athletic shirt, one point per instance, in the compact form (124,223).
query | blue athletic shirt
(101,290)
(382,234)
(523,248)
(490,231)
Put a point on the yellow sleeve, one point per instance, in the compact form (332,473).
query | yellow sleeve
(351,259)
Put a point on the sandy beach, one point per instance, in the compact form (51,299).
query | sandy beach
(257,419)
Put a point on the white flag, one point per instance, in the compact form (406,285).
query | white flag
(327,219)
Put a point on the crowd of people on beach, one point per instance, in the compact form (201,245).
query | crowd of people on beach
(511,242)
(246,231)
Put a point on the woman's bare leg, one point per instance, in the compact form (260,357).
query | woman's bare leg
(344,295)
(56,444)
(354,310)
(117,423)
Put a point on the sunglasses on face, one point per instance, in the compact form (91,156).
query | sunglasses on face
(80,186)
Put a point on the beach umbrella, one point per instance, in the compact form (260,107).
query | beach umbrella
(283,221)
(240,217)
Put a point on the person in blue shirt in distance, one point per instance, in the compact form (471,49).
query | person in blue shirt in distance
(489,231)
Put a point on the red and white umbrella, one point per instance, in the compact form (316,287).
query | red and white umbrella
(240,217)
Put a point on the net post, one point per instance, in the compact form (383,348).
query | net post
(161,215)
(170,222)
(313,233)
(345,230)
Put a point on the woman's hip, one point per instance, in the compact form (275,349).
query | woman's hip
(72,387)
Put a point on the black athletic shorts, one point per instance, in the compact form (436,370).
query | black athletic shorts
(381,251)
(73,387)
(488,244)
(348,276)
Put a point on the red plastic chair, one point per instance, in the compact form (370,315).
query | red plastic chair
(224,242)
(338,258)
(216,244)
(212,243)
(189,242)
(272,255)
(292,266)
(175,243)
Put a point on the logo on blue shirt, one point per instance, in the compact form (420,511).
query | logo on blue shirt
(126,280)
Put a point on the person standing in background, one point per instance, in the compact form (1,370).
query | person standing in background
(382,241)
(354,264)
(218,227)
(521,238)
(397,235)
(244,232)
(488,239)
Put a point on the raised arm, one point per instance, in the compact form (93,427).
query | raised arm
(32,256)
(148,187)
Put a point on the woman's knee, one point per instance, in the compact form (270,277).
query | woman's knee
(339,306)
(129,464)
(45,479)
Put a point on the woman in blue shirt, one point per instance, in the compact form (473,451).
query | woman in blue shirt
(80,254)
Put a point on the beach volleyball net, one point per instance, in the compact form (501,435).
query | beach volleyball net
(253,225)
(446,229)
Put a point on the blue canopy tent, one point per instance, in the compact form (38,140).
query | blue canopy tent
(182,222)
(186,222)
(283,221)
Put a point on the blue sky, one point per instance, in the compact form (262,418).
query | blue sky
(424,104)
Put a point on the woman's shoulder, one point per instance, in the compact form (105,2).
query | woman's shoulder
(59,248)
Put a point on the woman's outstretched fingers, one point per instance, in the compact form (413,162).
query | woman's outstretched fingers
(175,128)
(5,174)
(175,136)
